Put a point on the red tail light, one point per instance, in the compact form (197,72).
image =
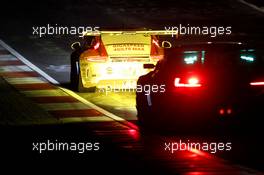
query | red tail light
(156,52)
(257,83)
(97,53)
(224,111)
(96,46)
(221,111)
(155,42)
(191,82)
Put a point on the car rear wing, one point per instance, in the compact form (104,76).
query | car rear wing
(145,32)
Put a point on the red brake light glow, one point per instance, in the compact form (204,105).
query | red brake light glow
(155,42)
(96,46)
(221,111)
(259,83)
(192,82)
(229,111)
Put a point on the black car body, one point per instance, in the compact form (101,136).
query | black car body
(206,85)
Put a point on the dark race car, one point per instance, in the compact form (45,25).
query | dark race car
(205,85)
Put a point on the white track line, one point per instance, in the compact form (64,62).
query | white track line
(28,63)
(252,6)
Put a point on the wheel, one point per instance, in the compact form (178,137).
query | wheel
(141,115)
(144,113)
(74,77)
(81,88)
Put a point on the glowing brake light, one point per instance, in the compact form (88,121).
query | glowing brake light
(221,111)
(96,46)
(156,52)
(96,54)
(259,83)
(192,82)
(155,42)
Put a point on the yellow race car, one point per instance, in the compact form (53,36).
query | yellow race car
(113,59)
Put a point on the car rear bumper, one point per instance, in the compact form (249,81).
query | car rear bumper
(112,74)
(204,109)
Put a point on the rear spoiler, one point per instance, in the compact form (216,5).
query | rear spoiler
(145,32)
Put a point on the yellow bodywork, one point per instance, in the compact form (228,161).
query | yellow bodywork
(126,52)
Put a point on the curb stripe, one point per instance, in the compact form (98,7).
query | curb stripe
(44,93)
(103,111)
(75,113)
(4,52)
(12,62)
(63,106)
(36,86)
(8,58)
(21,68)
(95,119)
(25,80)
(55,99)
(19,74)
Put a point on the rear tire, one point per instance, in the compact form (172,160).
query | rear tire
(76,80)
(81,88)
(146,119)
